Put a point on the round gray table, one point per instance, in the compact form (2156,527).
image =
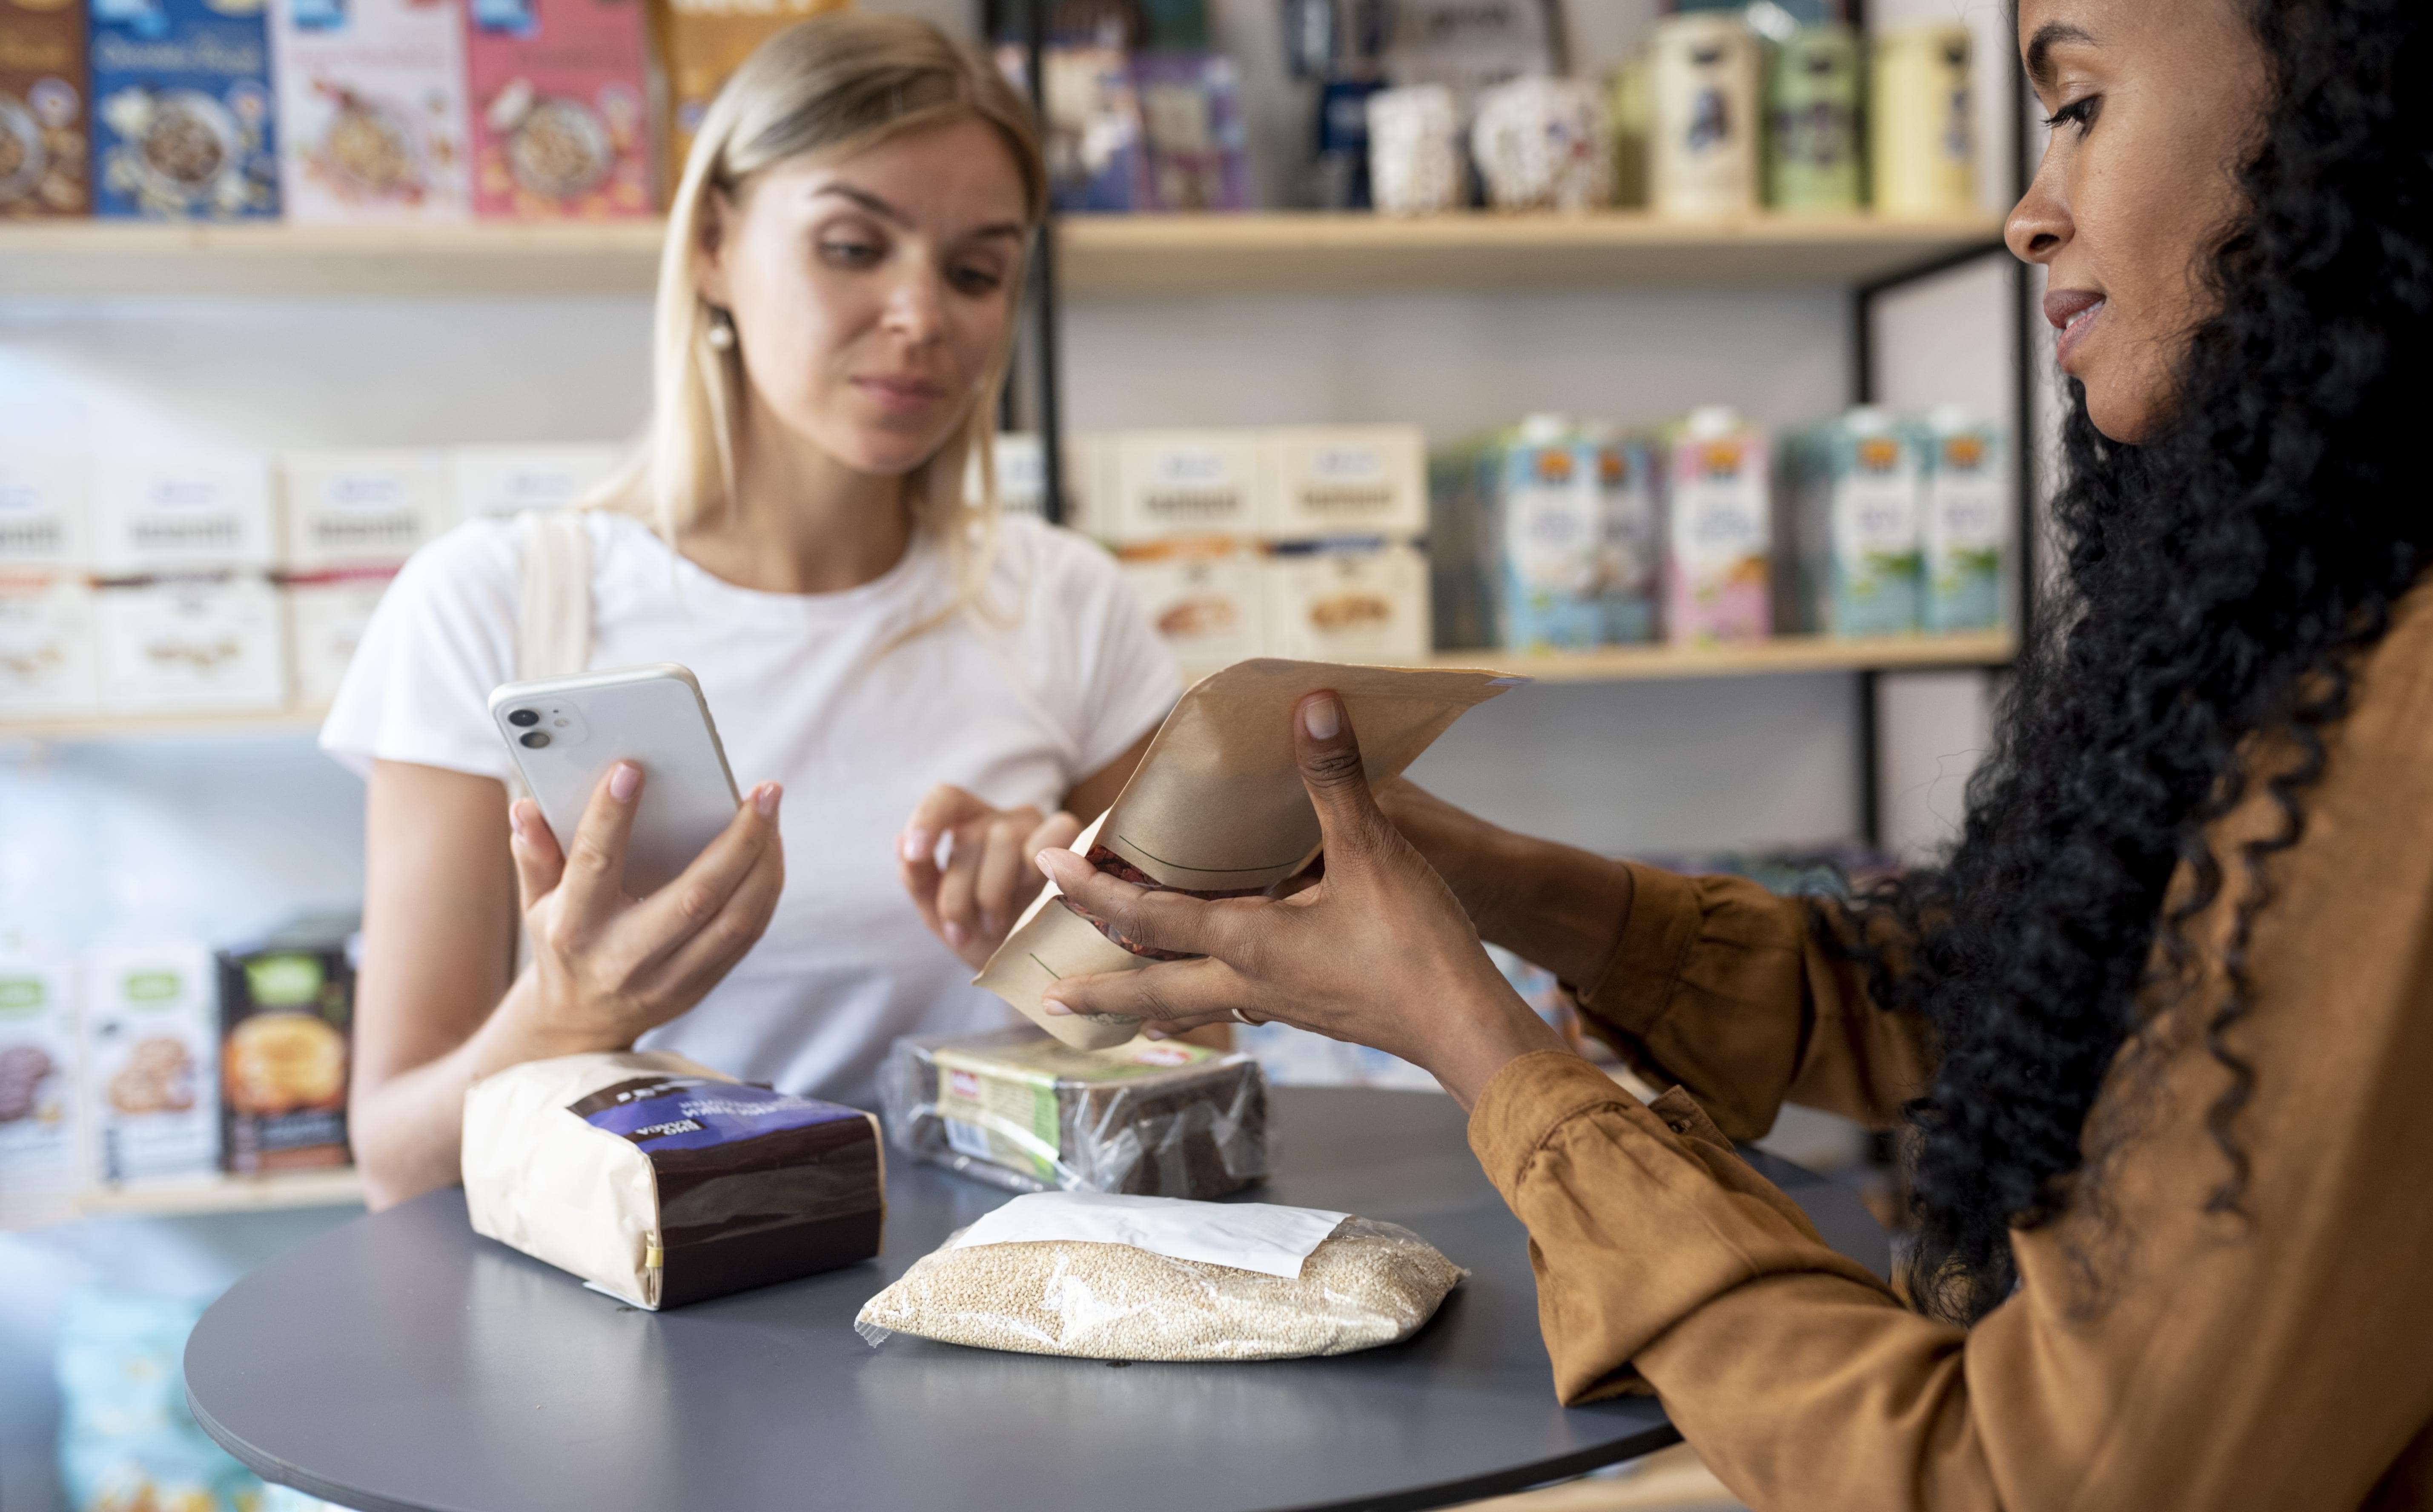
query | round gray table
(400,1361)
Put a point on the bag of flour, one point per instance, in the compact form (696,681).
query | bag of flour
(1103,1276)
(1217,809)
(663,1182)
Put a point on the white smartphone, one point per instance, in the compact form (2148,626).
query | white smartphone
(566,732)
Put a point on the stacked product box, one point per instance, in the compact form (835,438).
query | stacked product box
(1964,529)
(44,119)
(502,482)
(1718,532)
(1852,495)
(560,123)
(49,666)
(150,1058)
(188,620)
(702,42)
(183,123)
(352,518)
(286,1005)
(39,1172)
(371,110)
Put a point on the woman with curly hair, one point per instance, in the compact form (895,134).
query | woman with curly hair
(2161,1026)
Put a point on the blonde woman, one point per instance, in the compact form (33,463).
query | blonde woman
(836,305)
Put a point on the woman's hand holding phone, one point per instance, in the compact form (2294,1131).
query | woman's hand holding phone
(972,901)
(607,967)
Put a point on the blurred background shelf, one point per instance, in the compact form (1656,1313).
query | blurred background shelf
(1101,255)
(229,1194)
(139,726)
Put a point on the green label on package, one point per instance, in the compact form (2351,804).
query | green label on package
(1000,1104)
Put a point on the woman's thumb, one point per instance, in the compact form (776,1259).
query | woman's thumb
(1329,753)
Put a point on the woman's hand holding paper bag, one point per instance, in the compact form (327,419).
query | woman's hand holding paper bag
(1379,951)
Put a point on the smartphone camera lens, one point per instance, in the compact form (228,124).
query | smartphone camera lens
(525,718)
(534,740)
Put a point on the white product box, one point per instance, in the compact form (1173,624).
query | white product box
(1022,482)
(1344,480)
(191,643)
(1182,482)
(1204,594)
(38,1103)
(362,508)
(1350,601)
(325,615)
(45,511)
(49,666)
(371,110)
(150,1060)
(501,482)
(191,512)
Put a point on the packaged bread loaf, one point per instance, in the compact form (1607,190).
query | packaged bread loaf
(662,1183)
(1020,1111)
(1216,809)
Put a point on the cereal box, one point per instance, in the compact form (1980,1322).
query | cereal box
(286,1007)
(1203,594)
(362,508)
(702,42)
(201,643)
(327,612)
(1966,528)
(47,653)
(44,125)
(45,511)
(371,110)
(150,1053)
(182,512)
(184,126)
(560,124)
(502,482)
(1719,536)
(1185,482)
(1339,480)
(38,1149)
(1855,497)
(1362,601)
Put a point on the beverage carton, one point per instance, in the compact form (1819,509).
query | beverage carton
(44,123)
(1203,593)
(1547,526)
(362,508)
(1342,480)
(560,128)
(150,1060)
(198,643)
(48,658)
(1360,601)
(327,614)
(1183,482)
(372,106)
(286,1012)
(502,482)
(1718,531)
(1630,541)
(1855,492)
(182,513)
(183,123)
(39,1167)
(1965,529)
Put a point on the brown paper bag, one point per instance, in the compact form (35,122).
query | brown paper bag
(1217,806)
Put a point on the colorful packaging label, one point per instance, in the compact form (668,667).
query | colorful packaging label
(1718,580)
(560,128)
(372,106)
(37,1087)
(1199,154)
(151,1056)
(43,116)
(1964,529)
(1872,534)
(1703,153)
(184,127)
(287,1015)
(1550,538)
(697,1112)
(1001,1105)
(1630,545)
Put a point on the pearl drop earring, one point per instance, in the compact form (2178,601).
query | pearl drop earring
(721,331)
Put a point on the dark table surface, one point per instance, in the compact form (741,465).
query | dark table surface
(401,1361)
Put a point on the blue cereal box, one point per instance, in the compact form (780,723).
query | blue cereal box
(183,126)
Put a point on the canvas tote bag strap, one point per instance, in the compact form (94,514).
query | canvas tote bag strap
(553,618)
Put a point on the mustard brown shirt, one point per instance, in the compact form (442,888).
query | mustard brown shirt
(2155,1356)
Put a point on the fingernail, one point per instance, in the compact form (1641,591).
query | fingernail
(625,779)
(1054,1009)
(1323,718)
(919,845)
(954,934)
(1054,861)
(1153,1034)
(766,799)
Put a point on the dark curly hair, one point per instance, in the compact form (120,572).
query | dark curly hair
(2220,581)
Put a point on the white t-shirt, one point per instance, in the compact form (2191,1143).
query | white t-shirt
(1017,704)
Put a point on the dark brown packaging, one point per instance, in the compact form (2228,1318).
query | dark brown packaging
(45,110)
(286,1020)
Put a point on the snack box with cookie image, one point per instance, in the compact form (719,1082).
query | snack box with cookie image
(45,122)
(560,117)
(1017,1110)
(209,642)
(185,125)
(1203,593)
(286,1010)
(372,106)
(151,1063)
(37,1087)
(1355,601)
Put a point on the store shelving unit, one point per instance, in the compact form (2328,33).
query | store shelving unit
(1100,255)
(229,1194)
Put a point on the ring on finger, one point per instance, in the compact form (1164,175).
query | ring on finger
(1238,1016)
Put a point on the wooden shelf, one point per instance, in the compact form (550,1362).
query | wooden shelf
(231,1194)
(1100,255)
(1782,653)
(162,726)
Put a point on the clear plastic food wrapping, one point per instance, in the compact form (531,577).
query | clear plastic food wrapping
(1368,1284)
(1020,1111)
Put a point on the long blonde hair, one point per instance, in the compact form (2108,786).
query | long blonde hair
(830,87)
